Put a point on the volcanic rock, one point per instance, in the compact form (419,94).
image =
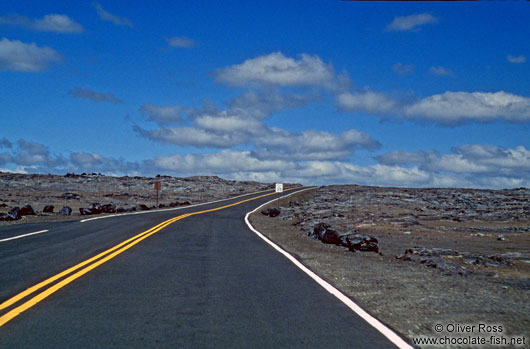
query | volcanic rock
(48,209)
(360,242)
(271,212)
(66,211)
(27,210)
(85,211)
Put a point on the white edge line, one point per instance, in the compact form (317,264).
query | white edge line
(171,209)
(385,331)
(24,235)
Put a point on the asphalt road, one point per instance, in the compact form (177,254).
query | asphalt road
(203,281)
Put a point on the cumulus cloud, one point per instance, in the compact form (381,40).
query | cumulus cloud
(225,161)
(411,23)
(93,162)
(164,114)
(85,93)
(448,108)
(26,156)
(440,71)
(53,22)
(475,163)
(262,105)
(109,17)
(455,107)
(18,56)
(367,101)
(275,69)
(312,145)
(181,41)
(403,69)
(213,128)
(193,136)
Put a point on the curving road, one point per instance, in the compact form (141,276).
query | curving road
(204,280)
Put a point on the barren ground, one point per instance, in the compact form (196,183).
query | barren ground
(476,270)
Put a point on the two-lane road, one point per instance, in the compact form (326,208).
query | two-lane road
(203,280)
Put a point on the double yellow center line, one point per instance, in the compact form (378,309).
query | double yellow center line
(84,267)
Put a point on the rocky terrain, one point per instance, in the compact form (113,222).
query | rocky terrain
(32,197)
(430,255)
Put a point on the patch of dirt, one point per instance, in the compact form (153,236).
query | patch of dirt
(468,260)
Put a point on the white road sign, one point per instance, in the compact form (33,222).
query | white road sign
(279,187)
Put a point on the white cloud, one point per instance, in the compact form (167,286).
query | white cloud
(516,59)
(109,17)
(165,114)
(225,161)
(85,93)
(367,101)
(53,22)
(440,71)
(448,108)
(18,56)
(93,162)
(455,107)
(475,163)
(58,23)
(403,69)
(193,136)
(261,105)
(231,124)
(181,41)
(412,22)
(277,69)
(311,145)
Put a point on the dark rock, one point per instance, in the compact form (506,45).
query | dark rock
(271,212)
(95,208)
(27,211)
(66,211)
(108,208)
(48,209)
(142,207)
(120,210)
(179,203)
(318,231)
(14,214)
(85,211)
(360,242)
(70,196)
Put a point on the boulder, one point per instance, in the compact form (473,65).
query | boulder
(120,210)
(141,207)
(271,212)
(14,214)
(85,211)
(324,233)
(95,208)
(27,211)
(48,209)
(360,242)
(66,211)
(108,208)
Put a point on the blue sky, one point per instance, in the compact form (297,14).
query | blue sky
(418,94)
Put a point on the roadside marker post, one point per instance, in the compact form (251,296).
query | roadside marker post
(279,189)
(158,186)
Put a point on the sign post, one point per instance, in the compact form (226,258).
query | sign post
(158,186)
(279,189)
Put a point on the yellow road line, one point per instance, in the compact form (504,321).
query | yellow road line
(110,254)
